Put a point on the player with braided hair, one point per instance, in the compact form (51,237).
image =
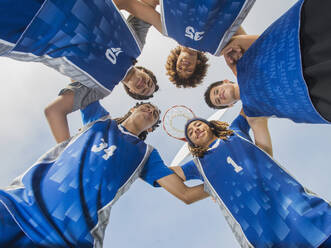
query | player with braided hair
(139,83)
(65,198)
(263,204)
(219,129)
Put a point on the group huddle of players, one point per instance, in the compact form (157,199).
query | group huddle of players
(64,199)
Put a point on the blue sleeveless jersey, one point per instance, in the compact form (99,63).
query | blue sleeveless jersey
(270,73)
(206,26)
(263,204)
(87,40)
(64,199)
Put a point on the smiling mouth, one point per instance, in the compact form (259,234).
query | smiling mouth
(185,62)
(140,83)
(200,134)
(222,95)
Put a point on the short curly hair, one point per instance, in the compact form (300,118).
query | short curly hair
(141,97)
(207,95)
(197,76)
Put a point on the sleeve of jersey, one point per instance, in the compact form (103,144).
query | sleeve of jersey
(93,112)
(191,171)
(241,127)
(155,169)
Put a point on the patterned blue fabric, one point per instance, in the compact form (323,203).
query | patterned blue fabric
(266,205)
(92,36)
(190,171)
(15,17)
(64,199)
(11,234)
(239,125)
(203,25)
(263,204)
(270,73)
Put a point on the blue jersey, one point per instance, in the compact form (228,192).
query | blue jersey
(206,26)
(263,204)
(87,40)
(270,73)
(64,199)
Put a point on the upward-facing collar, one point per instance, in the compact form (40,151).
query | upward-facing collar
(125,131)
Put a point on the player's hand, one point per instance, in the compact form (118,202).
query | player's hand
(232,54)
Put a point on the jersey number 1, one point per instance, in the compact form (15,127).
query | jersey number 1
(236,167)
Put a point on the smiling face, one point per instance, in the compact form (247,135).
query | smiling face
(186,62)
(139,82)
(145,116)
(200,133)
(223,95)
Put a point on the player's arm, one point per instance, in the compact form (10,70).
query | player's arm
(75,96)
(235,49)
(143,11)
(56,114)
(187,194)
(156,173)
(240,31)
(152,3)
(175,185)
(261,133)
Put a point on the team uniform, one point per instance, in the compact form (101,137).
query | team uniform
(206,26)
(88,41)
(286,71)
(83,95)
(65,198)
(263,204)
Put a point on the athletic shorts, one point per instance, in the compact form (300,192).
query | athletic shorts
(83,95)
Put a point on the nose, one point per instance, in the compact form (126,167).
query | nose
(197,130)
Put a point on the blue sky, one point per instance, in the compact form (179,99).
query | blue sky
(144,216)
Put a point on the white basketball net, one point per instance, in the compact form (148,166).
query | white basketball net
(175,119)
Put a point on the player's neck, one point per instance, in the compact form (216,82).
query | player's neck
(236,92)
(132,127)
(212,140)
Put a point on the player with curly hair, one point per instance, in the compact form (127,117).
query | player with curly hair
(196,33)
